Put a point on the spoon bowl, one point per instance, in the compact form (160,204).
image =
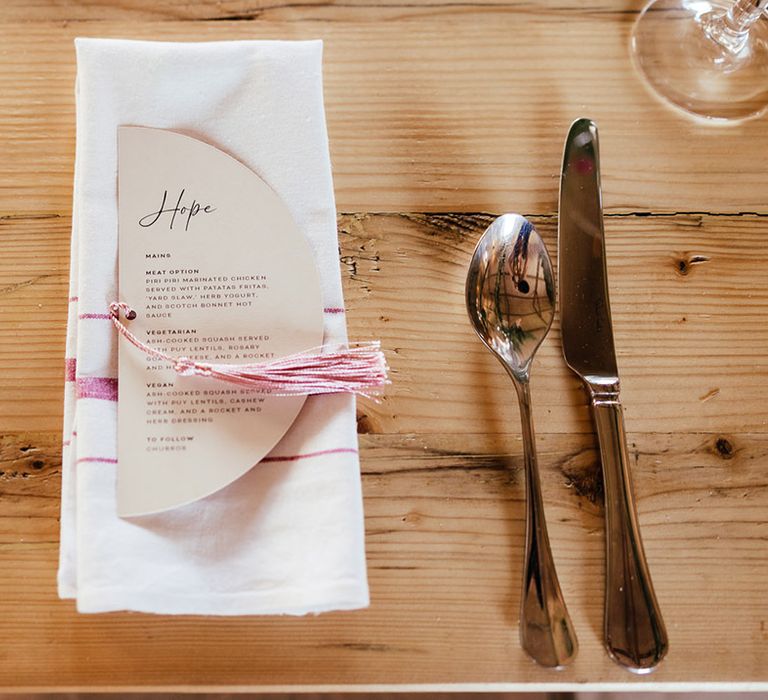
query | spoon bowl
(510,297)
(511,291)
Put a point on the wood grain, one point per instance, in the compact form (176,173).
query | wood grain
(444,522)
(455,108)
(247,10)
(440,114)
(689,301)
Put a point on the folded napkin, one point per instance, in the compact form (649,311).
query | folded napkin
(288,536)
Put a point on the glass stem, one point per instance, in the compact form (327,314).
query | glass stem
(731,30)
(744,13)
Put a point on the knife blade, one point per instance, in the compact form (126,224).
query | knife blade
(635,636)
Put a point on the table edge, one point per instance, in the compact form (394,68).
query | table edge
(534,686)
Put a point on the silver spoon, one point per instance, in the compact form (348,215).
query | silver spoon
(510,297)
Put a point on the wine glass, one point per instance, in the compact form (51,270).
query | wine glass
(707,57)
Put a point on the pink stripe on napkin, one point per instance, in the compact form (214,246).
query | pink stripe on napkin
(286,458)
(104,388)
(101,317)
(107,317)
(70,369)
(97,460)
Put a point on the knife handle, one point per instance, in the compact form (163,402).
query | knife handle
(635,636)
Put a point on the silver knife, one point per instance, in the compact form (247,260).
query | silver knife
(635,636)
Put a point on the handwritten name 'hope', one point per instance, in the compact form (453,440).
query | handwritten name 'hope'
(188,211)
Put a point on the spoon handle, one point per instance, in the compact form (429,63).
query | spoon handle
(546,631)
(635,636)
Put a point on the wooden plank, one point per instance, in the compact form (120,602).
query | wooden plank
(454,108)
(691,342)
(689,298)
(444,522)
(34,272)
(245,10)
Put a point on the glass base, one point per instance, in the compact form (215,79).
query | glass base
(675,52)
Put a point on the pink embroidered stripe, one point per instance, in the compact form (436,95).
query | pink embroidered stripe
(106,317)
(288,458)
(104,388)
(70,369)
(71,299)
(293,458)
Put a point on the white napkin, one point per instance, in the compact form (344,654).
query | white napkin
(288,536)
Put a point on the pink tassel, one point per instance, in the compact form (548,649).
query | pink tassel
(357,369)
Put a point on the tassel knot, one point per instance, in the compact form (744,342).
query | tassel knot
(185,367)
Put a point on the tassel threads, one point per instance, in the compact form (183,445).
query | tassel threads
(360,368)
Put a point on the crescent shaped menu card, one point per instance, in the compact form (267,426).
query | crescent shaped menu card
(217,270)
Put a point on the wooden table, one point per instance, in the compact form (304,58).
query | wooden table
(441,114)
